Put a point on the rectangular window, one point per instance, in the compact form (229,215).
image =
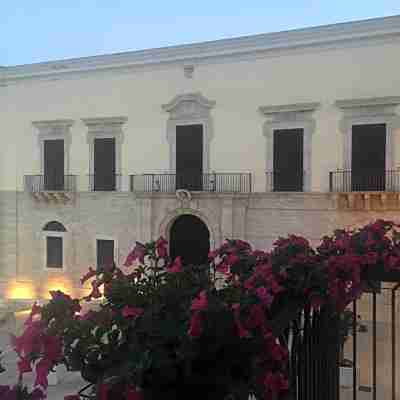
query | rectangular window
(104,165)
(105,253)
(368,159)
(54,252)
(288,160)
(189,157)
(53,154)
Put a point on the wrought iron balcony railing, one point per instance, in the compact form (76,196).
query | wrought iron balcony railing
(277,181)
(211,182)
(44,183)
(364,181)
(105,183)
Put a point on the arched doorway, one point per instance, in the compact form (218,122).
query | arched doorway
(189,238)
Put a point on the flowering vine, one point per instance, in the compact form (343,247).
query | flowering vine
(162,322)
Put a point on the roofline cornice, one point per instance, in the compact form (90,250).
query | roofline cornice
(352,32)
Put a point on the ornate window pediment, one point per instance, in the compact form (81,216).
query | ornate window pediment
(188,109)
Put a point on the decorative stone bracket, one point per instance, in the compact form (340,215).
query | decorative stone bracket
(367,201)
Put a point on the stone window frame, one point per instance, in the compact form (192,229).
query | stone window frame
(189,109)
(58,129)
(291,116)
(106,128)
(64,235)
(106,237)
(375,110)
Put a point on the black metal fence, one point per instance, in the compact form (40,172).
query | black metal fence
(106,183)
(277,181)
(211,182)
(351,181)
(43,183)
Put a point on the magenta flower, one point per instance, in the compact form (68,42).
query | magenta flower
(264,296)
(200,303)
(176,266)
(90,274)
(132,312)
(161,247)
(196,327)
(137,253)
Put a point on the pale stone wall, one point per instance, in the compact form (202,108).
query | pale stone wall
(238,88)
(259,218)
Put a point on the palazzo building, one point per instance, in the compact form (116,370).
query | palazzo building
(253,137)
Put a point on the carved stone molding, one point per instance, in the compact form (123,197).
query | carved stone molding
(52,130)
(189,109)
(109,127)
(376,110)
(290,116)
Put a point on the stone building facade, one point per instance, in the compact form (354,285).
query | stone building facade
(243,94)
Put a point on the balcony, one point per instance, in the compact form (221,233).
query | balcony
(212,182)
(366,190)
(51,188)
(344,181)
(105,183)
(277,181)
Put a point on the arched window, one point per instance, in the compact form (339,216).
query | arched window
(54,237)
(54,226)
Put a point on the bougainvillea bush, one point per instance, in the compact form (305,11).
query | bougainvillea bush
(164,330)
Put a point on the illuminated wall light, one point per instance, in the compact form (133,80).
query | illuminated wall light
(21,291)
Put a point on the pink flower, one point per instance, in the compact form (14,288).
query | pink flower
(137,253)
(213,254)
(195,325)
(95,293)
(90,274)
(43,368)
(132,312)
(200,303)
(24,365)
(232,259)
(275,382)
(161,247)
(36,310)
(38,394)
(264,296)
(176,266)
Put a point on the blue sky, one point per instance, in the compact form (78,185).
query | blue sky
(33,31)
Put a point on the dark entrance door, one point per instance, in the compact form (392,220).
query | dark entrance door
(54,164)
(189,157)
(190,239)
(368,157)
(288,160)
(104,164)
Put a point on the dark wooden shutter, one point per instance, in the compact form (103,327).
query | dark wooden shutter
(104,164)
(189,157)
(54,252)
(105,253)
(288,160)
(368,157)
(54,164)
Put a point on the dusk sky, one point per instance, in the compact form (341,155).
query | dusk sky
(42,30)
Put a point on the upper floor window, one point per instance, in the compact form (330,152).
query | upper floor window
(54,143)
(368,160)
(288,132)
(105,137)
(54,238)
(189,133)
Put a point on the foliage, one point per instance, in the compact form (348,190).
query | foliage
(164,330)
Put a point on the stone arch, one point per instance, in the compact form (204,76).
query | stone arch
(169,219)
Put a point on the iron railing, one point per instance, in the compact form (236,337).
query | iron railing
(210,182)
(377,181)
(44,183)
(277,181)
(106,183)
